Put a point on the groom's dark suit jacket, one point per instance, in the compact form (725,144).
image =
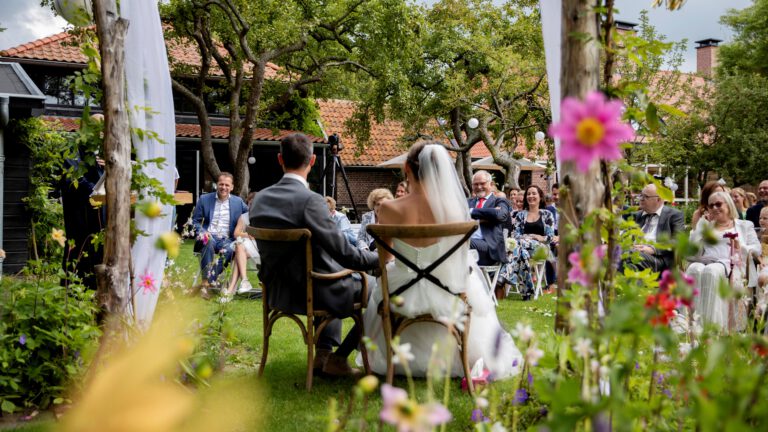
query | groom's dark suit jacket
(671,222)
(289,204)
(492,216)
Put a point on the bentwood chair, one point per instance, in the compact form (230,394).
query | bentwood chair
(310,329)
(393,323)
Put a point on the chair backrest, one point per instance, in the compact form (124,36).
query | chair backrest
(301,237)
(382,233)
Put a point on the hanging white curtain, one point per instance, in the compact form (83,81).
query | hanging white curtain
(150,106)
(551,27)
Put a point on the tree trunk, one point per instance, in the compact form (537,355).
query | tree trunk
(114,275)
(579,193)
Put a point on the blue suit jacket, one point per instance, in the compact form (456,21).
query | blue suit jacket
(493,217)
(201,218)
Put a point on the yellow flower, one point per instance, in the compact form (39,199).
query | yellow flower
(590,131)
(368,383)
(58,236)
(169,242)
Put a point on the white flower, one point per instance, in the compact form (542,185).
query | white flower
(604,371)
(594,365)
(498,427)
(583,347)
(579,317)
(402,353)
(481,402)
(510,243)
(524,332)
(533,354)
(457,319)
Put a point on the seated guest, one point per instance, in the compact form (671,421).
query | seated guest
(739,197)
(753,214)
(341,220)
(492,212)
(763,277)
(375,198)
(290,204)
(244,249)
(533,227)
(706,191)
(402,189)
(751,199)
(724,260)
(215,218)
(656,220)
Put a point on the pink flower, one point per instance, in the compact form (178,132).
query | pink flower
(407,414)
(577,274)
(731,235)
(590,130)
(147,282)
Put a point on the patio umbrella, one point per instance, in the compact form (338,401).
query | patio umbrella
(487,163)
(395,162)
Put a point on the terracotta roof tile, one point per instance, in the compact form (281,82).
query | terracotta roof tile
(189,130)
(386,138)
(61,47)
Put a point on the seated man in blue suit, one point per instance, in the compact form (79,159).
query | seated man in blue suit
(215,218)
(492,212)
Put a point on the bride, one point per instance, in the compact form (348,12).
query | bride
(436,197)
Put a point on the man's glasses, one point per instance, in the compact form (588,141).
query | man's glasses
(645,197)
(716,205)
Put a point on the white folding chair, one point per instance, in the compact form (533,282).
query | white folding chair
(539,268)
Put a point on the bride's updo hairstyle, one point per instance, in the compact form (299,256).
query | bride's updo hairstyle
(413,157)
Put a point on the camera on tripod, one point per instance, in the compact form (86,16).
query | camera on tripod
(335,143)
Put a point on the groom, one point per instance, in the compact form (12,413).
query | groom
(290,204)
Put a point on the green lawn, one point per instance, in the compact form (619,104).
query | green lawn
(286,404)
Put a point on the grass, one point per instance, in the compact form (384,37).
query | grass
(286,405)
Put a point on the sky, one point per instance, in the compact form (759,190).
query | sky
(26,21)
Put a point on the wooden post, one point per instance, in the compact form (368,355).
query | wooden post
(114,274)
(579,193)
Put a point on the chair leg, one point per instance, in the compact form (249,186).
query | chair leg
(363,349)
(310,340)
(465,359)
(388,342)
(265,342)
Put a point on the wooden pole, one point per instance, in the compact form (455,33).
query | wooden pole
(114,274)
(579,193)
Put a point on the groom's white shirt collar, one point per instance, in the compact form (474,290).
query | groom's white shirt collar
(298,178)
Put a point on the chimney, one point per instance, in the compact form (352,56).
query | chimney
(706,56)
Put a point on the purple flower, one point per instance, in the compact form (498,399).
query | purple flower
(637,366)
(478,416)
(514,362)
(590,130)
(521,395)
(530,378)
(660,379)
(23,339)
(667,393)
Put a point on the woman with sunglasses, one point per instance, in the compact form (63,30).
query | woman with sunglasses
(706,191)
(723,257)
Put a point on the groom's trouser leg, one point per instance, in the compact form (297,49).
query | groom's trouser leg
(330,336)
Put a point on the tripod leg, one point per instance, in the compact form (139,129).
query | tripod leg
(346,183)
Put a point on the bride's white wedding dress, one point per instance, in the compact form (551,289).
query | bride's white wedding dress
(432,343)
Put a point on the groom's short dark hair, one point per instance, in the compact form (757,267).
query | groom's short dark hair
(296,151)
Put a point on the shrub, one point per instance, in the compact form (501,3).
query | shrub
(44,329)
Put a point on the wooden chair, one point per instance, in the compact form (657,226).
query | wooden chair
(308,330)
(393,323)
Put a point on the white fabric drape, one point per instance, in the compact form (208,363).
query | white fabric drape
(551,27)
(150,106)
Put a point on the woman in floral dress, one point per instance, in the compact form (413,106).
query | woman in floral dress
(532,228)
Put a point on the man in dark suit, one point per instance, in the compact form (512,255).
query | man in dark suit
(215,218)
(657,221)
(493,213)
(290,204)
(753,213)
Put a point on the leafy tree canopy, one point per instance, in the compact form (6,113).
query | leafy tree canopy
(748,50)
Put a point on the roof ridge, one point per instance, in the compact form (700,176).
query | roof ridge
(19,49)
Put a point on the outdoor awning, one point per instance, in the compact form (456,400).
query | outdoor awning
(395,162)
(486,163)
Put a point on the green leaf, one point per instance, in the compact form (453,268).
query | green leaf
(7,406)
(652,117)
(671,110)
